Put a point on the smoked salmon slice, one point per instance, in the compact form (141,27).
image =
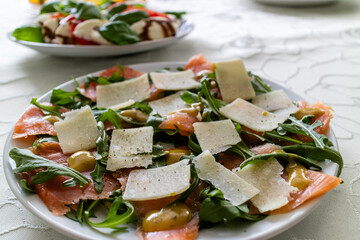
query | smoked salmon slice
(58,198)
(32,123)
(183,121)
(155,93)
(187,232)
(320,184)
(325,118)
(90,91)
(199,64)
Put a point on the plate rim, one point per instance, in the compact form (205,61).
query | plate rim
(18,191)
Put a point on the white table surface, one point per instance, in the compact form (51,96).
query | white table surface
(313,51)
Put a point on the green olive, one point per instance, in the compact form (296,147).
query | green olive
(170,217)
(316,112)
(51,119)
(174,155)
(136,115)
(82,161)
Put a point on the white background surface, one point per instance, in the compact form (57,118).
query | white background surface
(314,51)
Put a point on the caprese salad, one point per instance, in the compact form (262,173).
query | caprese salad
(84,23)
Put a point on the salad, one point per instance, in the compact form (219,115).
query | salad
(172,152)
(84,23)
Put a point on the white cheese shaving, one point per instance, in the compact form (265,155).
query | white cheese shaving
(216,136)
(78,131)
(130,148)
(122,105)
(234,188)
(233,80)
(168,104)
(174,80)
(272,101)
(137,89)
(252,116)
(266,176)
(155,183)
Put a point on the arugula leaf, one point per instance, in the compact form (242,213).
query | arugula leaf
(274,134)
(154,120)
(130,17)
(102,144)
(258,84)
(318,154)
(29,33)
(48,110)
(119,32)
(212,103)
(112,116)
(178,15)
(194,145)
(84,11)
(120,212)
(189,97)
(117,9)
(49,7)
(307,162)
(142,106)
(216,209)
(44,139)
(27,161)
(105,80)
(24,184)
(158,157)
(77,215)
(304,127)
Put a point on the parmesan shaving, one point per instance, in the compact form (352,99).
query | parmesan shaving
(252,116)
(234,188)
(216,136)
(122,105)
(266,176)
(78,131)
(130,148)
(174,80)
(155,183)
(168,104)
(233,80)
(272,101)
(110,95)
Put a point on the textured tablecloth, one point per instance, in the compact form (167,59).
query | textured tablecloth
(313,51)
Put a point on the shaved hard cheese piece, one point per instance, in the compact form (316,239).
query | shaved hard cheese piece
(137,89)
(266,176)
(168,104)
(78,131)
(252,116)
(130,148)
(174,80)
(122,105)
(155,183)
(234,188)
(233,80)
(272,101)
(216,136)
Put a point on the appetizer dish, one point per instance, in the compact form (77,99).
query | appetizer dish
(167,153)
(83,23)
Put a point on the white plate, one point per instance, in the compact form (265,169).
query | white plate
(69,50)
(302,3)
(264,229)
